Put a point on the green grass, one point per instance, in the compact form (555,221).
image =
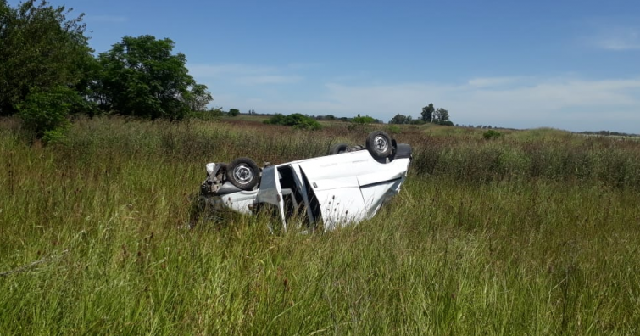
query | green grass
(477,242)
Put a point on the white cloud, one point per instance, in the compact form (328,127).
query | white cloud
(538,103)
(485,82)
(568,103)
(617,38)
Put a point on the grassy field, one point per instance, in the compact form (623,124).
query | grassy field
(536,232)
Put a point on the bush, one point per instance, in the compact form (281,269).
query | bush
(491,134)
(210,114)
(45,113)
(363,120)
(296,120)
(234,112)
(216,112)
(394,129)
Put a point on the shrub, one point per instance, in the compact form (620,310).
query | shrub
(393,129)
(211,114)
(45,113)
(296,120)
(363,120)
(491,134)
(234,112)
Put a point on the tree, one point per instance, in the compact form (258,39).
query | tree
(40,50)
(197,98)
(441,117)
(234,112)
(427,112)
(140,76)
(435,117)
(444,115)
(401,119)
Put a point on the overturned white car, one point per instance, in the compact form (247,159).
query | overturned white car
(342,188)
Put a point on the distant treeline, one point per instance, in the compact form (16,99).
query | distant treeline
(608,133)
(219,111)
(428,115)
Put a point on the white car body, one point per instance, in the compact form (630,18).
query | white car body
(339,189)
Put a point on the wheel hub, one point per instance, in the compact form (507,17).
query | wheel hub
(381,144)
(243,174)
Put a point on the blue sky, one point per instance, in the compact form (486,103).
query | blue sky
(566,64)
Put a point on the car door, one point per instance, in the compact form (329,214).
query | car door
(270,192)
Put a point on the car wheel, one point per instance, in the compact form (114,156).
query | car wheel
(379,144)
(243,173)
(394,149)
(340,148)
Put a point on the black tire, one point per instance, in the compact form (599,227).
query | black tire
(243,173)
(340,148)
(394,149)
(379,145)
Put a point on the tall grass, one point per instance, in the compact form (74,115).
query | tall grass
(467,247)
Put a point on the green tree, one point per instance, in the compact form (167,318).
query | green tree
(441,117)
(140,76)
(401,119)
(234,112)
(40,50)
(197,98)
(444,114)
(427,113)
